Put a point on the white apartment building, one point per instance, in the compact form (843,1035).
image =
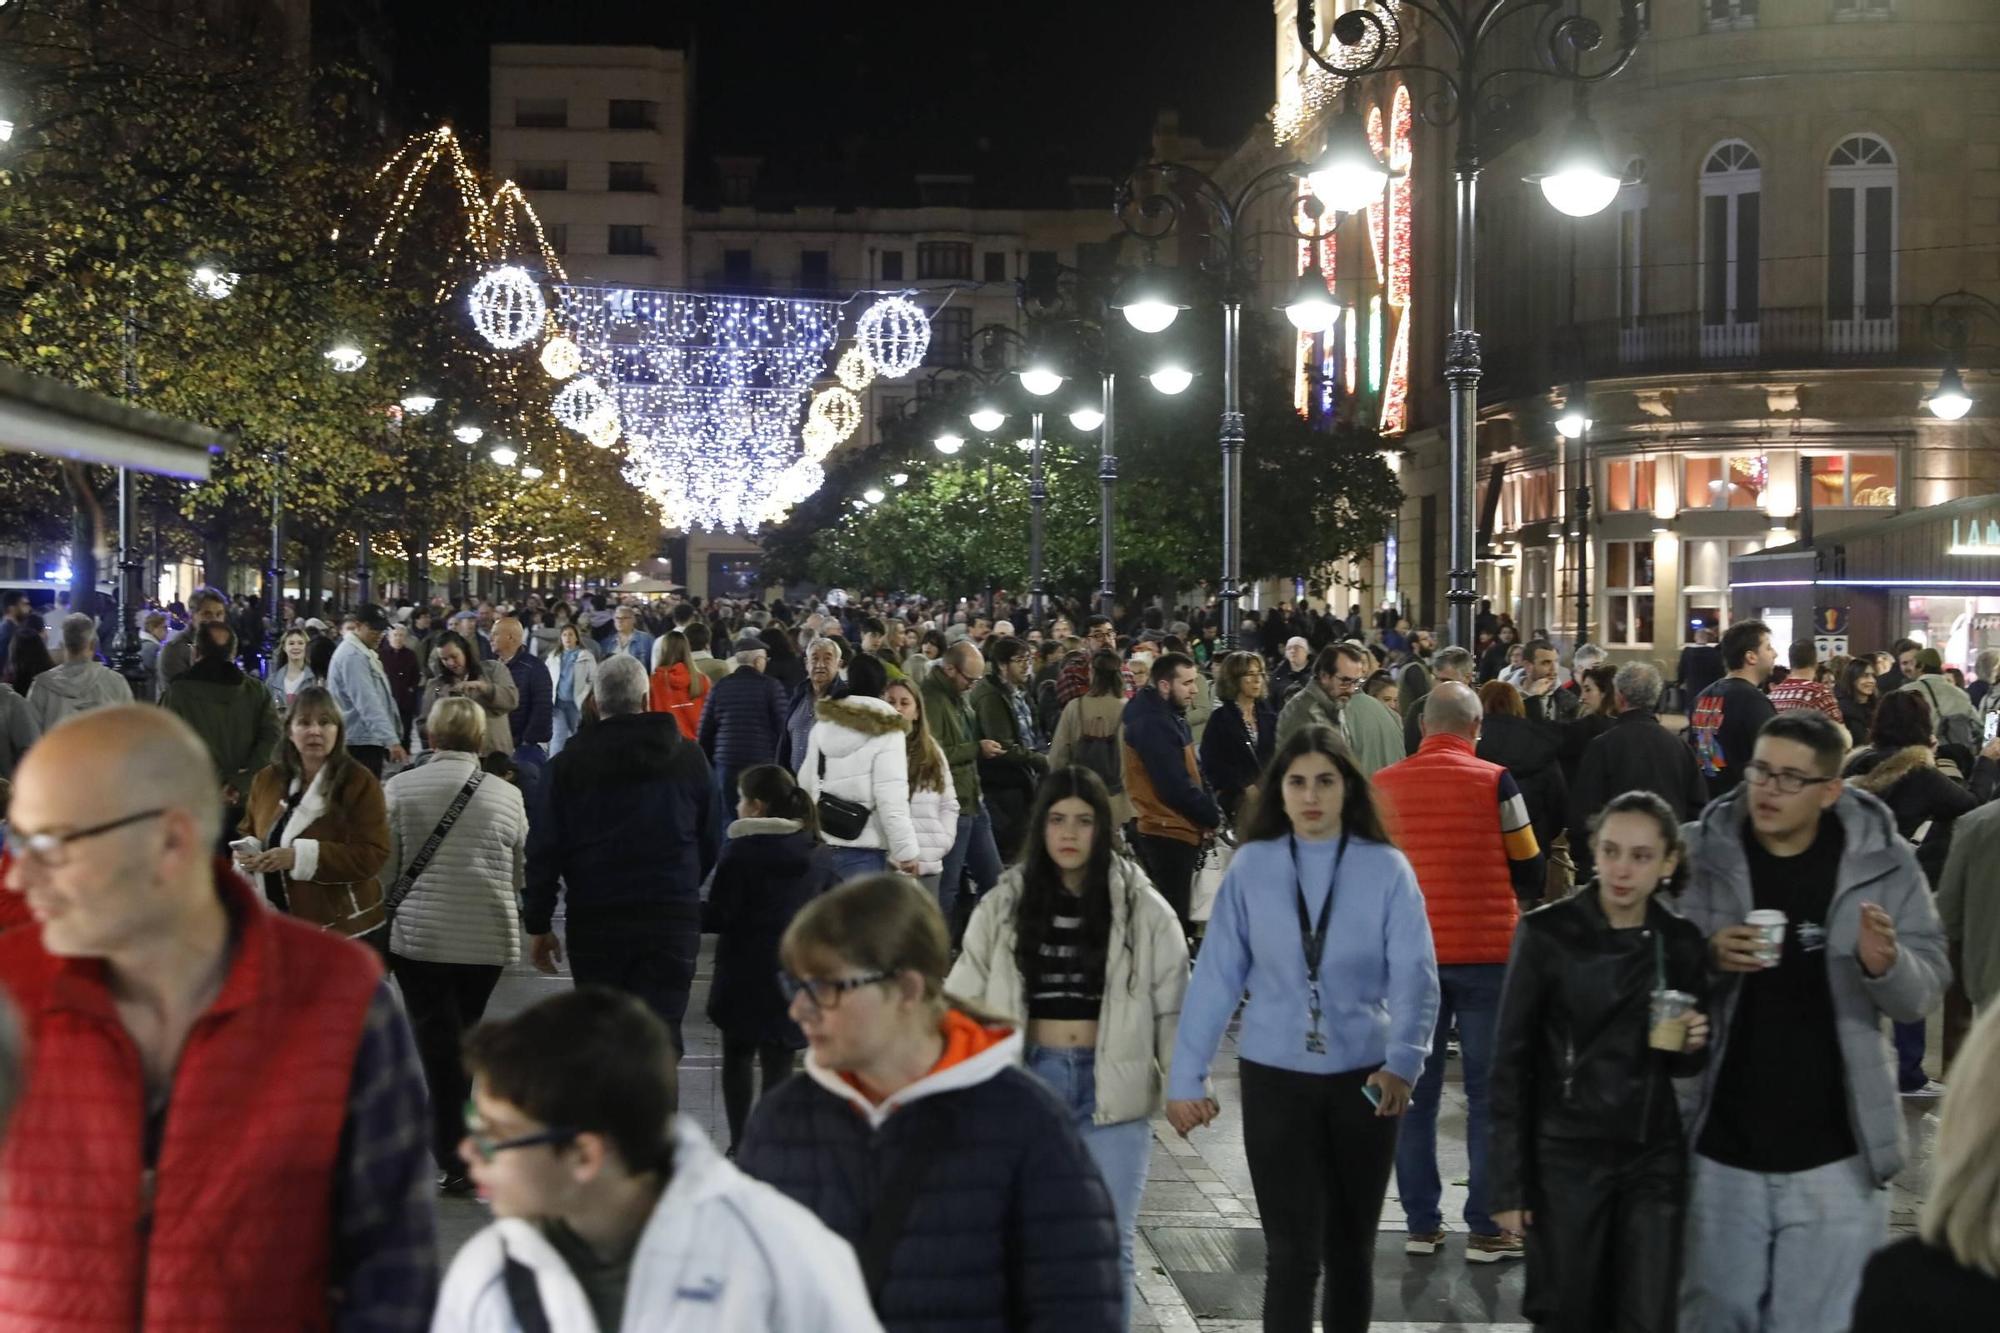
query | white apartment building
(597,136)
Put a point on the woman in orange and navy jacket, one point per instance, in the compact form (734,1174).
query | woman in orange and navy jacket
(678,686)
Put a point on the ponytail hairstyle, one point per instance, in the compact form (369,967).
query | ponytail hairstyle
(774,787)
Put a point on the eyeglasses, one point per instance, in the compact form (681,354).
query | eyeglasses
(823,993)
(1349,683)
(488,1148)
(1791,783)
(51,850)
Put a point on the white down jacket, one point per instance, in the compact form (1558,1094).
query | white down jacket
(935,815)
(464,907)
(861,742)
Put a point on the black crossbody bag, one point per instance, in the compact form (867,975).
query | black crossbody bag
(405,881)
(838,816)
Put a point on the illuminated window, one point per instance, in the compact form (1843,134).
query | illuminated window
(1733,482)
(1854,481)
(1628,593)
(1628,485)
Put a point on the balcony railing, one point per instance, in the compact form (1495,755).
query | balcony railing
(1799,338)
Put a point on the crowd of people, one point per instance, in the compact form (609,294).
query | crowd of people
(1008,892)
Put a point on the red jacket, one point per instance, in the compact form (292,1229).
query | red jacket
(1443,808)
(238,1232)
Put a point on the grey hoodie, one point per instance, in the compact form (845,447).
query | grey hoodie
(75,687)
(1877,866)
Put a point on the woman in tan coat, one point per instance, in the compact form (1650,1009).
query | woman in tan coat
(1091,733)
(321,830)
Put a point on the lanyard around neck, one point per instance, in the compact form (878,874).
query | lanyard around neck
(1312,937)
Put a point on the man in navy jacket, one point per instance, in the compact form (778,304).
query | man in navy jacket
(625,833)
(744,719)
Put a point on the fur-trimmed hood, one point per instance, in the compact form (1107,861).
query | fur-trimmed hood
(762,827)
(858,713)
(1877,771)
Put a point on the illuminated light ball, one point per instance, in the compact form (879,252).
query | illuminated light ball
(579,402)
(853,370)
(798,482)
(839,409)
(561,357)
(819,438)
(893,334)
(507,307)
(602,430)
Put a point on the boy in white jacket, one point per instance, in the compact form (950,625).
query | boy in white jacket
(615,1214)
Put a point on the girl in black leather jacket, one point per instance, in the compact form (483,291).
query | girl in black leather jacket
(1587,1157)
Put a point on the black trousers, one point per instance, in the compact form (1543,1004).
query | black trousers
(741,1062)
(1604,1250)
(444,1001)
(647,951)
(1320,1160)
(370,757)
(1169,863)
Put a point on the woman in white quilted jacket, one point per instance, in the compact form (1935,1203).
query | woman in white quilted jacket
(857,753)
(458,924)
(933,795)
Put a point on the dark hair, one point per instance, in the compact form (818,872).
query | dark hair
(1107,673)
(1230,670)
(1042,893)
(696,631)
(1092,622)
(28,652)
(591,1061)
(1005,649)
(1740,640)
(867,676)
(1167,665)
(1813,729)
(1533,646)
(215,642)
(1649,803)
(1802,654)
(1901,646)
(1358,816)
(1902,718)
(935,638)
(451,638)
(1605,678)
(873,625)
(774,787)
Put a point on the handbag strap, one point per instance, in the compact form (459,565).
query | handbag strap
(422,861)
(525,1296)
(898,1196)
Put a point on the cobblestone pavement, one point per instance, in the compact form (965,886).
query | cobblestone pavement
(1200,1255)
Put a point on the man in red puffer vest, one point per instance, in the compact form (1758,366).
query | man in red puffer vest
(224,1126)
(1464,826)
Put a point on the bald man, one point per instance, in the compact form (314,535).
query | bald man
(1464,825)
(533,719)
(224,1123)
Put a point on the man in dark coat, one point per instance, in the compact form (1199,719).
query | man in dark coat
(625,833)
(744,719)
(1637,754)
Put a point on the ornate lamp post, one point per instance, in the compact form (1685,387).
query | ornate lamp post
(1464,58)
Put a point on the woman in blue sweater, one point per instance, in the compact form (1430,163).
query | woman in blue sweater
(1321,921)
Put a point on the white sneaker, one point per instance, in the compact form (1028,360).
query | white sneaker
(1931,1088)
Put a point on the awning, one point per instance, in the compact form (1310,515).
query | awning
(1951,545)
(42,416)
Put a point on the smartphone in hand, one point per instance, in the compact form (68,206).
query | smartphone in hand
(1373,1094)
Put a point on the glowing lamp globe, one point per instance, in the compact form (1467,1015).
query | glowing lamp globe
(1310,309)
(1348,176)
(1572,423)
(1949,401)
(986,419)
(1581,183)
(1041,380)
(1086,418)
(1171,379)
(948,444)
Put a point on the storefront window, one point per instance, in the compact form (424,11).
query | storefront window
(1628,593)
(1732,482)
(1858,481)
(1628,485)
(1705,583)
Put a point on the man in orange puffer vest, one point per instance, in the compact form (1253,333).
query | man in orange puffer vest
(224,1125)
(1464,826)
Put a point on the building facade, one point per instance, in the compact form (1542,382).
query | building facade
(1745,327)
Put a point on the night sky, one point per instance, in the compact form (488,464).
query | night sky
(1050,87)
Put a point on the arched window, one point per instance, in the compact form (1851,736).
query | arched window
(1732,182)
(1860,230)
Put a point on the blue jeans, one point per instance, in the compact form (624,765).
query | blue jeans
(972,849)
(853,862)
(1779,1253)
(1122,1151)
(1470,994)
(568,717)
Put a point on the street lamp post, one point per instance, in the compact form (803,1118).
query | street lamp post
(274,575)
(1948,321)
(1460,38)
(1107,486)
(1149,204)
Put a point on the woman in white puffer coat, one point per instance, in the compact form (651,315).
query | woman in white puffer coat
(459,922)
(933,795)
(857,751)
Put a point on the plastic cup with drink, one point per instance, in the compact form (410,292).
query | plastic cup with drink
(1770,927)
(1671,1010)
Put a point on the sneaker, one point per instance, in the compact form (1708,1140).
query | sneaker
(1423,1242)
(1492,1249)
(1931,1088)
(455,1185)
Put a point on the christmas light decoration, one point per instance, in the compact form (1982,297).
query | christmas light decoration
(507,307)
(893,334)
(854,371)
(579,402)
(212,282)
(346,358)
(603,429)
(561,358)
(1375,343)
(531,472)
(467,434)
(839,409)
(1394,418)
(503,454)
(819,438)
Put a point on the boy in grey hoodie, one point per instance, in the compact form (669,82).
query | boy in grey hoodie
(79,682)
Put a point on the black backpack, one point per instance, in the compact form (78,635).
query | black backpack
(1100,755)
